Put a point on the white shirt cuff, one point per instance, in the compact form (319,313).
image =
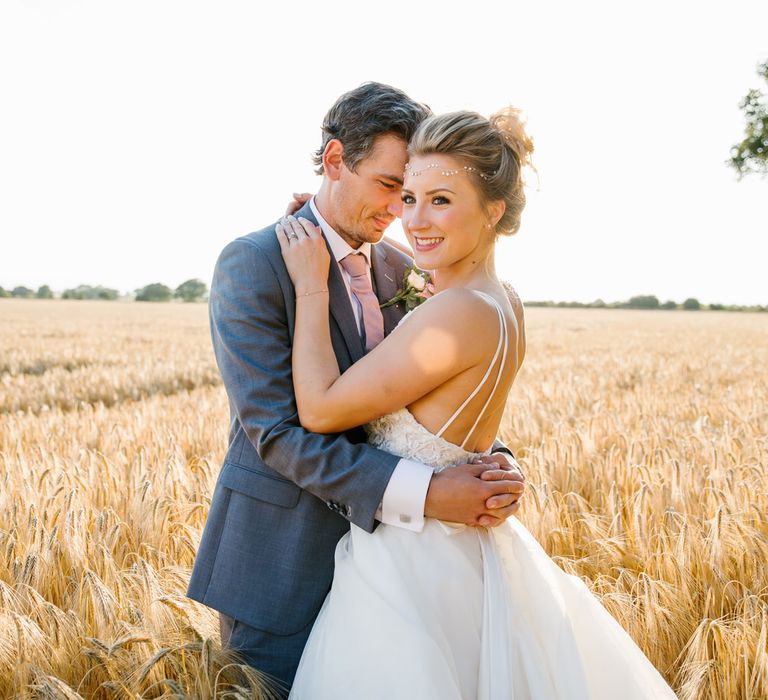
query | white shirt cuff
(403,502)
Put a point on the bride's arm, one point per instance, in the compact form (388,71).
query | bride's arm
(405,366)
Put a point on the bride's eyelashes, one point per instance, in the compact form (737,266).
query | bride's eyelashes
(437,201)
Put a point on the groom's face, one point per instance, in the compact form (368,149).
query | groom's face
(369,199)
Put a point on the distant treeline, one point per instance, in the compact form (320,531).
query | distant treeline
(647,302)
(197,290)
(191,290)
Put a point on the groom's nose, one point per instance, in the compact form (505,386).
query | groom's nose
(395,206)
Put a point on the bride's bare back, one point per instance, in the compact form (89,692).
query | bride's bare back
(450,409)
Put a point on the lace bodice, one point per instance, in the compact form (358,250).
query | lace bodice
(400,434)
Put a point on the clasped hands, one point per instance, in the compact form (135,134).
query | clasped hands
(485,493)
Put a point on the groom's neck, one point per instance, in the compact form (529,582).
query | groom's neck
(325,205)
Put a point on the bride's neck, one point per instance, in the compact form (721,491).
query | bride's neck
(472,272)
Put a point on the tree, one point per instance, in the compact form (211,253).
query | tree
(669,305)
(191,290)
(644,302)
(85,291)
(751,155)
(154,292)
(4,293)
(22,293)
(44,292)
(106,293)
(76,293)
(691,304)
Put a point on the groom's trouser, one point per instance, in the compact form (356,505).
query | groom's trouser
(277,656)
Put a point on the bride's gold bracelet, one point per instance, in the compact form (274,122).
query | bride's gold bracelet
(309,294)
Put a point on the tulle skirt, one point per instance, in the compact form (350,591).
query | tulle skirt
(459,613)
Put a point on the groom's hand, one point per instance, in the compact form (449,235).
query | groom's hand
(475,494)
(506,504)
(505,462)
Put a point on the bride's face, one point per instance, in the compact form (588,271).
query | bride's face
(443,215)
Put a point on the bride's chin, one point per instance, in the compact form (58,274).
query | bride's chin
(425,261)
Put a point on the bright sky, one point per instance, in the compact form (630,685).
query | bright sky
(138,138)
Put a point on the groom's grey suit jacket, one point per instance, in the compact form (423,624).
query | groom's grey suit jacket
(284,496)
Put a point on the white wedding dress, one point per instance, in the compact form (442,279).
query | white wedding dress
(462,613)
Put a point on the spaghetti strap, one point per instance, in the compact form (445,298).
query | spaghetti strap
(502,347)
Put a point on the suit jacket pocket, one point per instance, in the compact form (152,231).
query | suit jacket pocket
(259,485)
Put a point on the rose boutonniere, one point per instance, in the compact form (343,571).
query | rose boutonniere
(417,288)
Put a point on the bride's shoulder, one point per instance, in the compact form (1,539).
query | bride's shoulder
(464,311)
(455,326)
(462,299)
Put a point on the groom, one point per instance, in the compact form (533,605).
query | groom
(284,496)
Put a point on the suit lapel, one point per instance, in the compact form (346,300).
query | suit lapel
(386,282)
(340,305)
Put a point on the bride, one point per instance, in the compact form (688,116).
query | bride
(452,612)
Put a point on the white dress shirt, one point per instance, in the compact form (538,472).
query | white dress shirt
(403,501)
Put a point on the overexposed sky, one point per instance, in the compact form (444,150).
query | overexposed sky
(138,138)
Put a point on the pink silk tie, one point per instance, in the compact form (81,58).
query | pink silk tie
(356,267)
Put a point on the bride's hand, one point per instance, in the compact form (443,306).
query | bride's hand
(298,201)
(305,254)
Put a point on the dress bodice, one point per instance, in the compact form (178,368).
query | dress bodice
(400,434)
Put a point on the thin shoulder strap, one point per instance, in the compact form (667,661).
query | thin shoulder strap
(498,376)
(501,347)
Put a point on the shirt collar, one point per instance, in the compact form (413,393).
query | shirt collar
(339,246)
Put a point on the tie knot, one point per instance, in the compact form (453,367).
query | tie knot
(355,264)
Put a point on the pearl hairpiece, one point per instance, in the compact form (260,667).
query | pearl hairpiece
(449,171)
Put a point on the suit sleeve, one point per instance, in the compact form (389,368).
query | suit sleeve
(499,446)
(252,343)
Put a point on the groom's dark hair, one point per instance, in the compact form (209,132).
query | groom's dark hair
(362,114)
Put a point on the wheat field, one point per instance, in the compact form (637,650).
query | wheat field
(644,437)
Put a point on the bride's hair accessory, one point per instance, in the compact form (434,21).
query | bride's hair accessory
(497,149)
(448,172)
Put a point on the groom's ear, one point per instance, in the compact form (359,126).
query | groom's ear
(333,161)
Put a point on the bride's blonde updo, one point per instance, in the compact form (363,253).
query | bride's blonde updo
(493,150)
